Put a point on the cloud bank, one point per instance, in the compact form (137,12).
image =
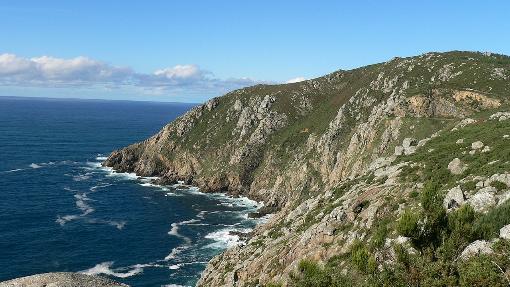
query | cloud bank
(49,71)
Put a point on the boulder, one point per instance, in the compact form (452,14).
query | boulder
(502,198)
(454,198)
(500,116)
(476,248)
(409,142)
(482,200)
(504,232)
(504,178)
(477,145)
(456,166)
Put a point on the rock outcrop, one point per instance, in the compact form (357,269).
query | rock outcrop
(61,279)
(333,155)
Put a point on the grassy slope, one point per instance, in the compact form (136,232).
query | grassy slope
(438,237)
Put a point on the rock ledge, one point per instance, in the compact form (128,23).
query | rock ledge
(61,279)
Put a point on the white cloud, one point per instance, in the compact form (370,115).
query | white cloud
(295,80)
(49,71)
(181,72)
(11,65)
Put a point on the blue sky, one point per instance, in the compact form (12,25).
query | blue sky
(190,51)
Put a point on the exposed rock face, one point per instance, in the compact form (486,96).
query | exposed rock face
(61,279)
(322,153)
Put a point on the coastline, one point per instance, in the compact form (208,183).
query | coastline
(235,237)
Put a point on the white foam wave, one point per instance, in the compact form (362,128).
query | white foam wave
(96,187)
(224,239)
(101,158)
(175,251)
(201,214)
(82,205)
(122,272)
(62,220)
(175,266)
(175,229)
(34,165)
(117,224)
(81,177)
(122,175)
(96,165)
(148,178)
(148,184)
(13,170)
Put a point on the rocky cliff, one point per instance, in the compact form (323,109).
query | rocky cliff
(346,159)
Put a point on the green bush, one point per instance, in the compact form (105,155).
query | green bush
(310,274)
(380,234)
(459,233)
(488,225)
(480,271)
(408,224)
(430,197)
(468,186)
(434,216)
(499,185)
(360,256)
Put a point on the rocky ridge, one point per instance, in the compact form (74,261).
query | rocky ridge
(340,155)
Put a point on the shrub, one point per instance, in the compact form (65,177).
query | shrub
(310,274)
(499,185)
(461,221)
(380,234)
(430,197)
(488,225)
(459,233)
(434,215)
(468,186)
(360,256)
(408,224)
(480,271)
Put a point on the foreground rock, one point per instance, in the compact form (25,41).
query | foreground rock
(61,279)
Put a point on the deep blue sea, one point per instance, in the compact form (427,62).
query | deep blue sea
(60,211)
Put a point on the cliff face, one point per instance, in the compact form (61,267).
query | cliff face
(326,153)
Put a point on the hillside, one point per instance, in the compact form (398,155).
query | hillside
(381,175)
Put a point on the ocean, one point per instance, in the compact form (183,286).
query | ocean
(61,211)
